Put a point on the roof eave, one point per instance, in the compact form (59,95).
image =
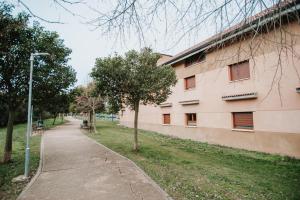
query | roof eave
(232,34)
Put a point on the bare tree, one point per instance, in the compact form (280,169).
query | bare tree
(88,102)
(186,17)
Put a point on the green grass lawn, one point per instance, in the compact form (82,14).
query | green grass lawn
(9,190)
(192,170)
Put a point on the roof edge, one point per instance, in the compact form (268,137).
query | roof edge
(245,28)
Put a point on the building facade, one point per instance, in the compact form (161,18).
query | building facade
(236,89)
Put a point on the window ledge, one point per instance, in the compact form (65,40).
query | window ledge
(250,95)
(163,105)
(244,79)
(190,126)
(166,124)
(190,89)
(189,102)
(242,130)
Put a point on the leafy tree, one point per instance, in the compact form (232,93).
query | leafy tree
(14,50)
(54,78)
(59,103)
(112,108)
(52,75)
(74,93)
(134,80)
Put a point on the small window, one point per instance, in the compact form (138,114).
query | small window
(243,120)
(239,71)
(166,119)
(189,82)
(199,57)
(191,119)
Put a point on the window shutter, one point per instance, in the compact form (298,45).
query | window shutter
(243,70)
(234,72)
(190,82)
(166,118)
(239,71)
(243,120)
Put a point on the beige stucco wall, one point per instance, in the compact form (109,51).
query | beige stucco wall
(163,58)
(276,110)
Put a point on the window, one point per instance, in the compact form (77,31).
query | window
(189,82)
(243,120)
(166,119)
(239,71)
(191,119)
(199,57)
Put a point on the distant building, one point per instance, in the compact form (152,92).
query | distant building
(240,88)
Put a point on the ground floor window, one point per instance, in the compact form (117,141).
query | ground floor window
(243,120)
(166,119)
(191,119)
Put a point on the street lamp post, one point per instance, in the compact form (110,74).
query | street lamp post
(28,133)
(31,114)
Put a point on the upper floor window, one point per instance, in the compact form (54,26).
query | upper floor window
(199,57)
(239,71)
(166,119)
(243,120)
(189,82)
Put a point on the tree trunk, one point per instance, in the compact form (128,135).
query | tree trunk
(9,134)
(54,119)
(89,117)
(94,120)
(90,120)
(136,114)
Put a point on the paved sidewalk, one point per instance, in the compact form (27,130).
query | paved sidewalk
(76,167)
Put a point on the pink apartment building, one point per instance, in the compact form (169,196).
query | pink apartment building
(240,88)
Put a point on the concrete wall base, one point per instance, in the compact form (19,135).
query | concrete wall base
(268,142)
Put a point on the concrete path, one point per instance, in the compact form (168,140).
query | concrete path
(76,167)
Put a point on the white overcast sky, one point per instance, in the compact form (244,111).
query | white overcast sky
(88,44)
